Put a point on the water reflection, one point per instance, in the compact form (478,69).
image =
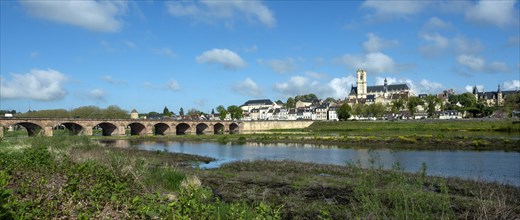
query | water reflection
(500,166)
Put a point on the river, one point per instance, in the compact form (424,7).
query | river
(498,166)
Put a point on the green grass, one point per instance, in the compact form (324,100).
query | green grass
(416,126)
(72,177)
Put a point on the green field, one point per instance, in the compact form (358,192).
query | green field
(74,177)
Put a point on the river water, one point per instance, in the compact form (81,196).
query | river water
(498,166)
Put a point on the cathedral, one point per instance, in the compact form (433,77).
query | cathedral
(492,98)
(361,93)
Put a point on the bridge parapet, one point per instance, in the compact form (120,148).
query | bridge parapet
(118,127)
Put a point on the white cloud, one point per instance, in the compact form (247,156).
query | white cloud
(111,80)
(395,8)
(429,87)
(463,45)
(165,51)
(340,87)
(337,88)
(436,23)
(373,63)
(227,58)
(42,85)
(315,75)
(472,62)
(478,64)
(248,87)
(173,85)
(373,60)
(437,44)
(375,44)
(89,14)
(469,88)
(423,87)
(227,11)
(499,13)
(97,94)
(512,85)
(280,66)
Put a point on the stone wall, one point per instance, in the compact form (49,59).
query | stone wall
(253,126)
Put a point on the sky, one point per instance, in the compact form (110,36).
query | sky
(146,55)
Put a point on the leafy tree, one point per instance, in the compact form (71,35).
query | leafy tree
(86,112)
(290,103)
(412,104)
(376,110)
(344,112)
(193,111)
(512,103)
(166,112)
(309,96)
(152,114)
(51,113)
(467,100)
(330,100)
(358,109)
(222,111)
(397,105)
(234,111)
(181,112)
(431,102)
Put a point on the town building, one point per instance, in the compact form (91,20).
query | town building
(134,114)
(492,98)
(361,93)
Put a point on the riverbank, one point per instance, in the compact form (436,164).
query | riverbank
(413,135)
(73,177)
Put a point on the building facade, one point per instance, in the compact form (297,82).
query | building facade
(361,93)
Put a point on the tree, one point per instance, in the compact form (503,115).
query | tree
(397,105)
(212,111)
(330,100)
(358,109)
(412,104)
(431,103)
(305,97)
(181,112)
(512,103)
(222,111)
(193,111)
(376,110)
(467,100)
(166,112)
(234,111)
(290,103)
(344,112)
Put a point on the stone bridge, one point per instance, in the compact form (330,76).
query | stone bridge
(119,127)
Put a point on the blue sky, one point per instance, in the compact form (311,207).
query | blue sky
(201,54)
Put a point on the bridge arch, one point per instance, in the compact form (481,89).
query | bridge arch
(73,128)
(183,128)
(218,128)
(201,128)
(32,129)
(234,128)
(108,129)
(161,129)
(137,128)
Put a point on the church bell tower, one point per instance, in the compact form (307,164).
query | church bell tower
(361,84)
